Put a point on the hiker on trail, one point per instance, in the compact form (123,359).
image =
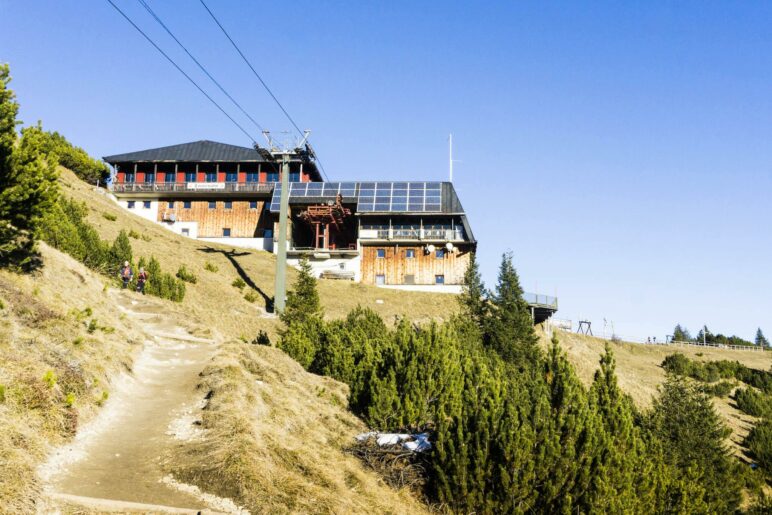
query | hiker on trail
(141,280)
(126,274)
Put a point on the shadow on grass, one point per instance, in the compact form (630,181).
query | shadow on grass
(232,255)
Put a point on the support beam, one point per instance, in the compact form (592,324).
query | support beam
(280,290)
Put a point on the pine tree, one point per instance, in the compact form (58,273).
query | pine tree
(693,441)
(121,251)
(28,187)
(303,301)
(761,340)
(681,334)
(509,328)
(473,294)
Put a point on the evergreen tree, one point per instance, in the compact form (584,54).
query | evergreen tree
(303,301)
(681,334)
(693,442)
(473,294)
(120,251)
(28,188)
(509,328)
(761,340)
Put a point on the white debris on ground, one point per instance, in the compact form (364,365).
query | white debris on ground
(418,442)
(186,425)
(216,503)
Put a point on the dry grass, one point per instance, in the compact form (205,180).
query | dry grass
(274,439)
(639,372)
(48,354)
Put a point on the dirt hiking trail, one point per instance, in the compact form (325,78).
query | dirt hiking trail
(115,463)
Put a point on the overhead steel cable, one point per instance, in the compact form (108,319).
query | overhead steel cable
(259,78)
(201,66)
(252,68)
(223,111)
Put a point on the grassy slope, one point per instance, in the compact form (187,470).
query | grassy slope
(640,373)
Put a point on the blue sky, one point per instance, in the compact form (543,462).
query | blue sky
(621,151)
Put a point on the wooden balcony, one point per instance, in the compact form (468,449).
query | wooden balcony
(191,189)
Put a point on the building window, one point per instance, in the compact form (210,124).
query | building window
(212,204)
(253,177)
(226,232)
(380,279)
(294,177)
(130,204)
(268,233)
(380,253)
(146,204)
(171,177)
(439,253)
(186,204)
(253,204)
(410,253)
(231,177)
(272,177)
(171,204)
(149,178)
(190,176)
(211,176)
(228,204)
(439,279)
(186,232)
(129,177)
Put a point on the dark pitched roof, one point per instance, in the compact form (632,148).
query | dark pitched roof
(203,150)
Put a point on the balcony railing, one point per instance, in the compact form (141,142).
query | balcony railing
(188,187)
(537,299)
(413,234)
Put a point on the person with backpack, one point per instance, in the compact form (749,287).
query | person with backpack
(141,280)
(126,274)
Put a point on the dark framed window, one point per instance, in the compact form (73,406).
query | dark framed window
(146,204)
(253,177)
(272,177)
(130,204)
(253,204)
(211,176)
(231,177)
(149,178)
(170,177)
(439,253)
(380,253)
(129,177)
(294,177)
(228,204)
(171,204)
(186,204)
(439,279)
(410,253)
(268,233)
(212,204)
(226,232)
(380,279)
(190,176)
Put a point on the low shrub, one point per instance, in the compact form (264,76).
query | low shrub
(754,403)
(210,267)
(186,275)
(720,389)
(75,158)
(239,283)
(92,326)
(103,398)
(161,284)
(69,400)
(759,445)
(250,297)
(49,378)
(134,234)
(2,393)
(109,216)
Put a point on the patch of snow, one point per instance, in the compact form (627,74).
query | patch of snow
(415,443)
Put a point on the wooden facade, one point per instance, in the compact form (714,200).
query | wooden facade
(242,220)
(397,268)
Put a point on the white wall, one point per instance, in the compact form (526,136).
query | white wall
(178,227)
(139,208)
(431,288)
(248,243)
(338,264)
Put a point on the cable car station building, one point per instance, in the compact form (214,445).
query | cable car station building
(410,235)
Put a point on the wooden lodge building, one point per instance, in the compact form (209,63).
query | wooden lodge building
(411,235)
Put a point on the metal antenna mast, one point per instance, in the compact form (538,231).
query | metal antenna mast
(450,155)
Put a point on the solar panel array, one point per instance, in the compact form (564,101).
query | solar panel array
(371,197)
